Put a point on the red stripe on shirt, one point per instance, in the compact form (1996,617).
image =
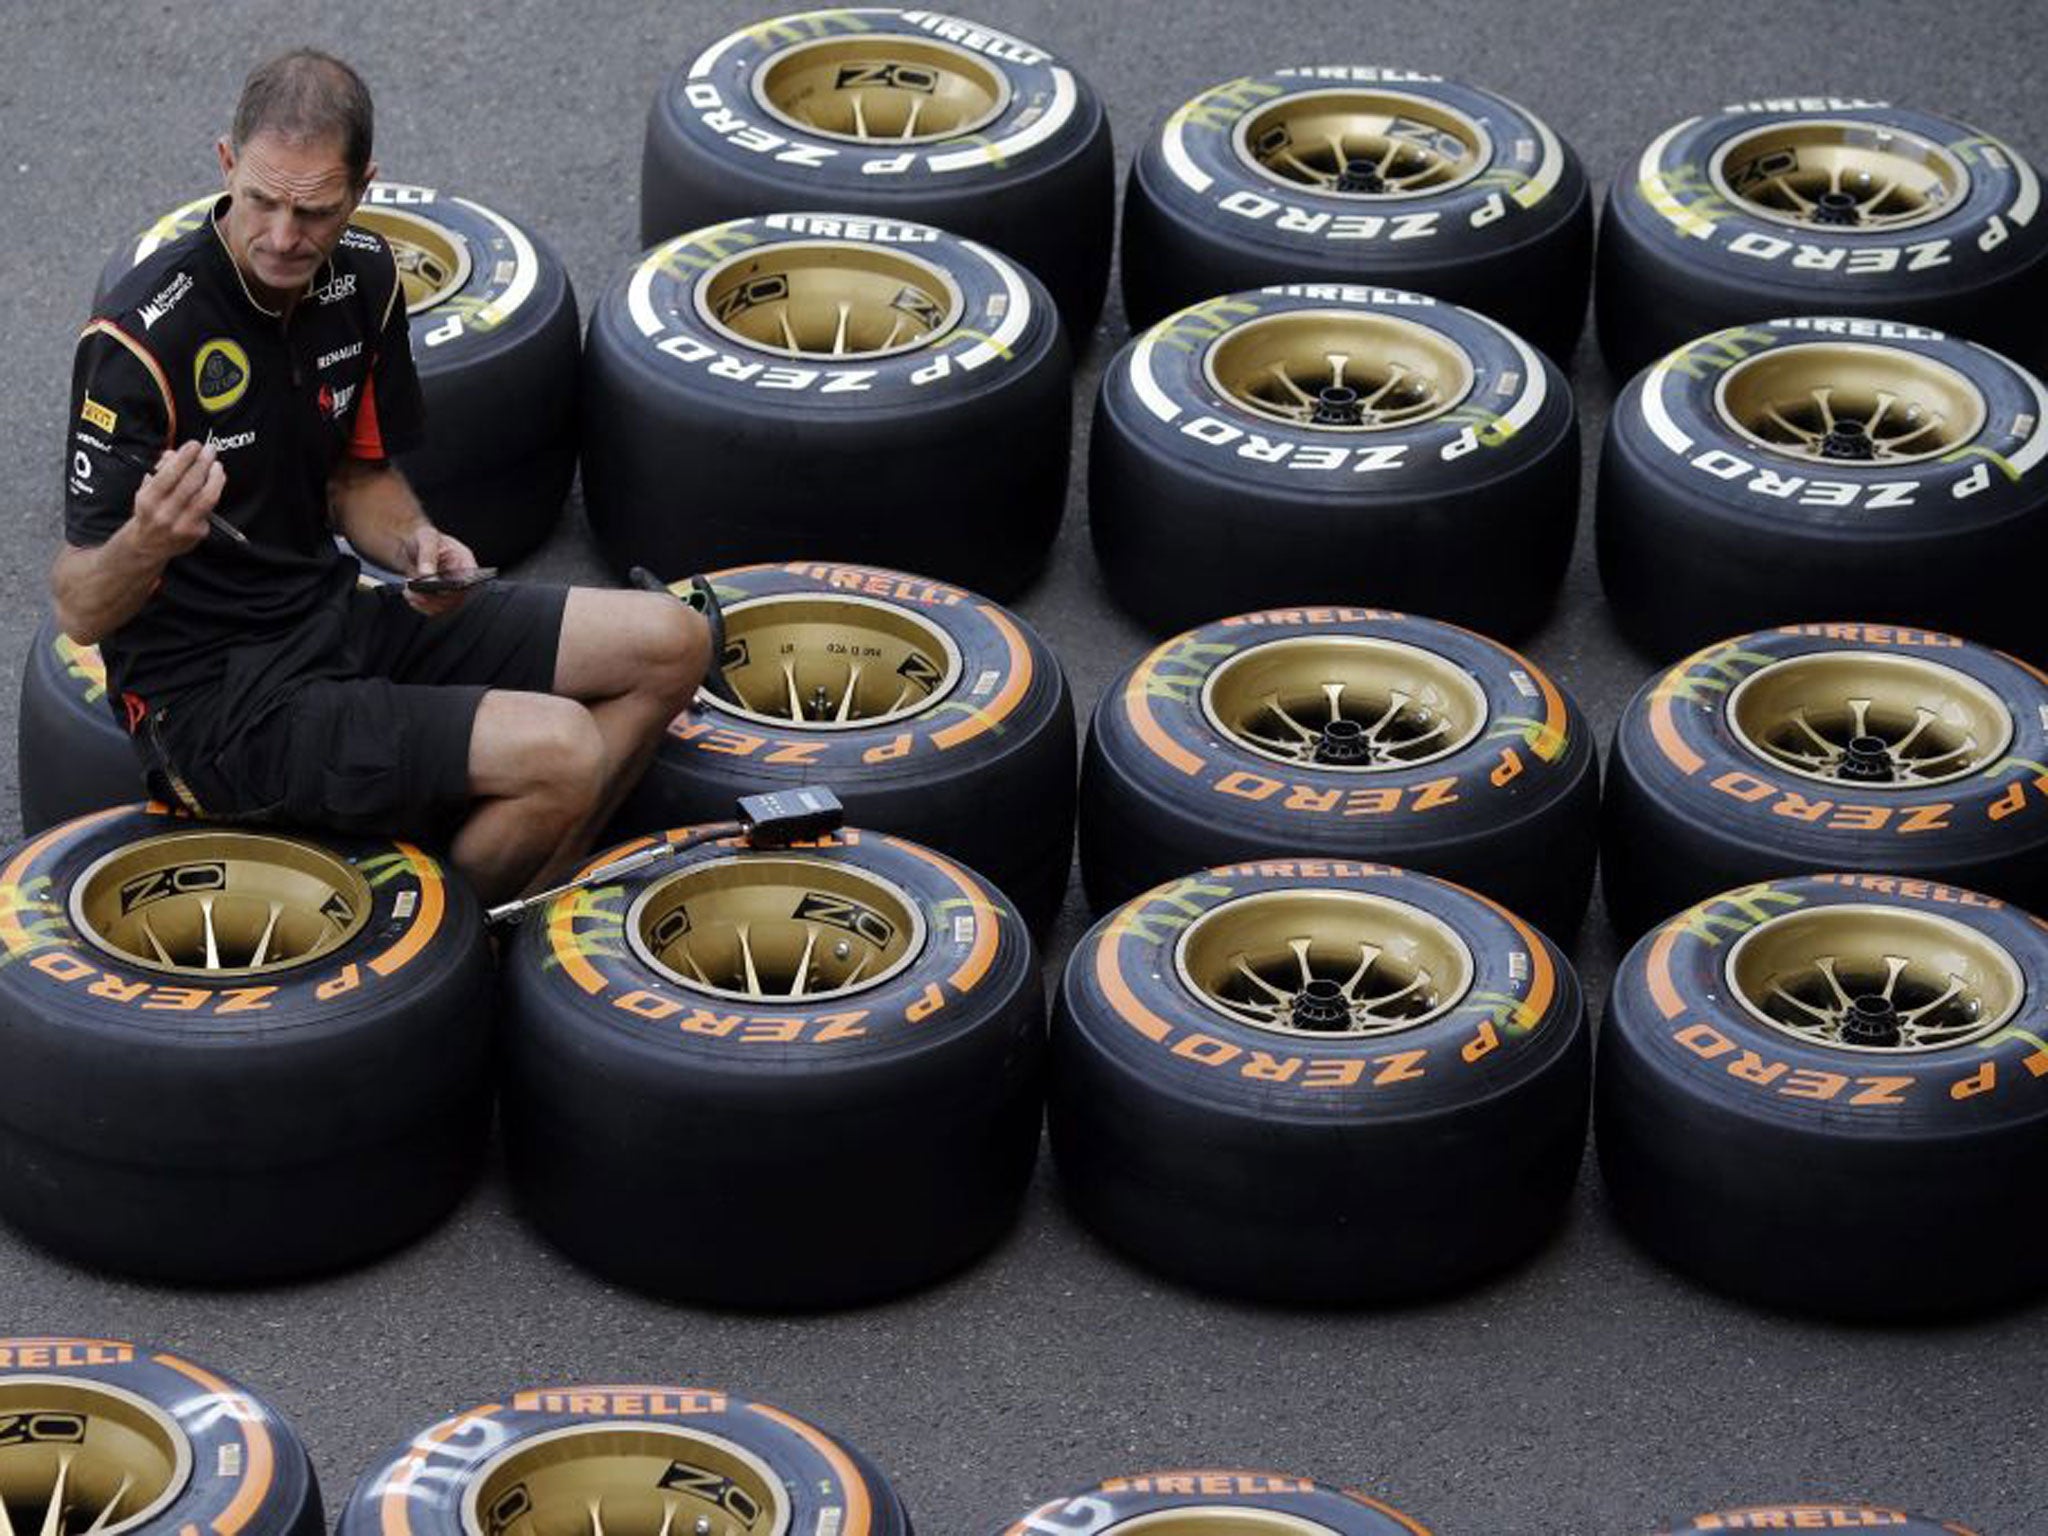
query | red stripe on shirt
(367,440)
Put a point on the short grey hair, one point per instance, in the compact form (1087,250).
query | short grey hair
(305,95)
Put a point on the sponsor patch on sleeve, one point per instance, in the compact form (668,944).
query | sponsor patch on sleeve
(99,415)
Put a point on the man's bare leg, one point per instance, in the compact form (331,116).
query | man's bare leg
(537,767)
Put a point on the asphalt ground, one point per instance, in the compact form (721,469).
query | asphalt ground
(1590,1392)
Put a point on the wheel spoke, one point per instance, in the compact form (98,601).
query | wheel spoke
(1824,1015)
(212,938)
(1921,764)
(839,332)
(1395,374)
(1367,954)
(1292,388)
(597,1517)
(1891,444)
(1885,401)
(1337,362)
(910,122)
(1859,710)
(1398,702)
(753,977)
(270,927)
(860,119)
(156,944)
(1805,203)
(1914,1015)
(796,701)
(1300,948)
(1337,151)
(1923,717)
(1291,158)
(1334,692)
(1826,966)
(1798,718)
(895,330)
(788,334)
(846,698)
(1272,702)
(803,964)
(106,1516)
(1804,434)
(53,1517)
(1870,204)
(668,1516)
(1239,964)
(1821,397)
(1893,965)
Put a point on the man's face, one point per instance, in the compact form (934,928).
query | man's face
(291,200)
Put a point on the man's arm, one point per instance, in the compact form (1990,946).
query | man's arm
(373,507)
(99,588)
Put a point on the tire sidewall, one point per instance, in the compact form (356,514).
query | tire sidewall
(1108,1505)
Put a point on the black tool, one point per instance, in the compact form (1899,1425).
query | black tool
(451,581)
(137,461)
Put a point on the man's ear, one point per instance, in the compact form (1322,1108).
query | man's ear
(226,152)
(363,186)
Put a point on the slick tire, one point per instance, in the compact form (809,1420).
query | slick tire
(1881,1037)
(1213,489)
(689,1458)
(146,1441)
(1817,1517)
(1008,145)
(1719,222)
(310,1094)
(1792,469)
(1476,768)
(847,1139)
(710,440)
(1319,1083)
(71,755)
(1483,204)
(1828,746)
(495,340)
(1180,1502)
(959,730)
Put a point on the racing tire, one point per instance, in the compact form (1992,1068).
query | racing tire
(1188,764)
(202,1118)
(686,1458)
(1726,502)
(1009,146)
(1212,489)
(495,338)
(149,1441)
(1751,759)
(1881,1037)
(1319,1083)
(1184,1504)
(1720,222)
(710,442)
(1818,1517)
(1488,207)
(71,755)
(850,1143)
(962,740)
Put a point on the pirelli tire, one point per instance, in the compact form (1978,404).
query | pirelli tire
(1221,477)
(1817,1517)
(234,1056)
(1880,1036)
(931,712)
(827,386)
(1899,752)
(1785,469)
(1449,753)
(894,114)
(1319,1082)
(1204,1500)
(830,1058)
(1354,174)
(678,1458)
(118,1437)
(495,339)
(1733,215)
(71,755)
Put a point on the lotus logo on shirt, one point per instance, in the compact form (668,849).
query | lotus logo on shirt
(220,374)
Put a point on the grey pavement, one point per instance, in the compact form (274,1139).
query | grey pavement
(1591,1392)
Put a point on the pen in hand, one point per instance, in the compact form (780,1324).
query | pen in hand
(220,524)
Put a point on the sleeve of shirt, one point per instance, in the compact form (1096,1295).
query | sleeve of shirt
(121,418)
(390,417)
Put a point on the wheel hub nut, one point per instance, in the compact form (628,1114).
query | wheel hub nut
(1321,1006)
(1344,741)
(1848,440)
(1361,178)
(1836,208)
(1871,1020)
(1867,760)
(1337,405)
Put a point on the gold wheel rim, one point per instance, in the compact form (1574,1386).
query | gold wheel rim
(220,904)
(1877,979)
(789,928)
(1221,1521)
(1344,703)
(1870,720)
(1842,404)
(881,89)
(1840,176)
(626,1479)
(1371,145)
(433,263)
(834,663)
(839,302)
(1324,964)
(1340,370)
(81,1458)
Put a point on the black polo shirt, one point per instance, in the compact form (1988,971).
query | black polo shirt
(181,350)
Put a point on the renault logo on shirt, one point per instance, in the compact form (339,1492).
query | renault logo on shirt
(220,374)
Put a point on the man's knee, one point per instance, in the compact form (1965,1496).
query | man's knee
(679,650)
(616,643)
(537,746)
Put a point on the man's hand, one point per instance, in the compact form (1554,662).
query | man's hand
(430,552)
(173,503)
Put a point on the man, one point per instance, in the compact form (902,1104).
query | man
(243,389)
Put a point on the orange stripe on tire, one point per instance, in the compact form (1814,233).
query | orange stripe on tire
(1663,990)
(1389,1511)
(262,1459)
(394,1515)
(1549,744)
(997,709)
(14,938)
(1139,703)
(1543,979)
(978,960)
(1110,977)
(433,903)
(859,1508)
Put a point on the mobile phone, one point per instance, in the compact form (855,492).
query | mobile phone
(459,581)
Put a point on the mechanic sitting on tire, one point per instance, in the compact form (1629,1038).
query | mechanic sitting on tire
(237,402)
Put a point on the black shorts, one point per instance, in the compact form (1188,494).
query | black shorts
(373,736)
